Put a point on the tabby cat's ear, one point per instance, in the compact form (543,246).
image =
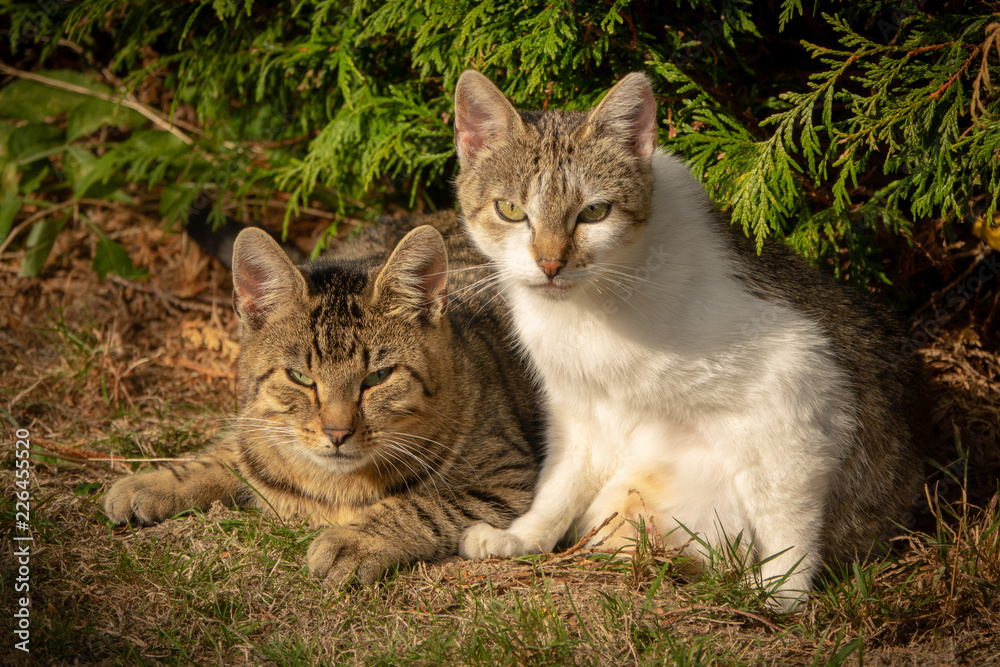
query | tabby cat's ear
(482,115)
(413,283)
(264,279)
(629,111)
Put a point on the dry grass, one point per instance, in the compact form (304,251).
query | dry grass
(144,370)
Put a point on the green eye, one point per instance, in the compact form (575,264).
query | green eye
(594,212)
(301,378)
(510,212)
(378,377)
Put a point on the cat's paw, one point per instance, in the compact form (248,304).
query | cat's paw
(142,499)
(337,555)
(483,540)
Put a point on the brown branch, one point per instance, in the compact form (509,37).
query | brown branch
(931,47)
(983,78)
(582,542)
(37,215)
(954,77)
(197,368)
(169,300)
(724,610)
(978,256)
(156,117)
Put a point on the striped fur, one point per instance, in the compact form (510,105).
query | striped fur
(400,468)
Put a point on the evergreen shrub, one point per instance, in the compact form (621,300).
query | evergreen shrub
(840,127)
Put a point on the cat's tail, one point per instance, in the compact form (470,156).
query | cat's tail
(217,239)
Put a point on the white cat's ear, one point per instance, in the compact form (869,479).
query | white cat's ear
(482,114)
(263,277)
(414,281)
(629,110)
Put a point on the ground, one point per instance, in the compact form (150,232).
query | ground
(111,376)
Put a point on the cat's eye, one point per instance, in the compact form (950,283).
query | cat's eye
(378,377)
(301,378)
(594,212)
(509,211)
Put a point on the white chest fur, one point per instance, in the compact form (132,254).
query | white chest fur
(683,399)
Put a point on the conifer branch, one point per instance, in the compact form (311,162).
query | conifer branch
(954,77)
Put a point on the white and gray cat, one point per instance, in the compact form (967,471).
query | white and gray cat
(690,383)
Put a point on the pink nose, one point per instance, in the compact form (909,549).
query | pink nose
(337,435)
(551,266)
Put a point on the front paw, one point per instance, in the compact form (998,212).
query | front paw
(338,554)
(142,499)
(483,540)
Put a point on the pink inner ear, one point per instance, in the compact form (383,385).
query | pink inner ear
(645,126)
(434,283)
(248,281)
(468,144)
(474,124)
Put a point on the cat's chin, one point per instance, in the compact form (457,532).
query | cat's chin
(552,290)
(338,461)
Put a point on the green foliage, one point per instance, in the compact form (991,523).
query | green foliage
(112,258)
(885,119)
(39,244)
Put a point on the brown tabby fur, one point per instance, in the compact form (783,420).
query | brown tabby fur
(448,439)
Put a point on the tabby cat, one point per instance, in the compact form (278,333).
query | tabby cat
(693,387)
(371,400)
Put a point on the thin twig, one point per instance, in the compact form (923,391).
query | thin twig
(270,203)
(191,366)
(947,84)
(24,224)
(155,116)
(983,78)
(10,406)
(569,553)
(120,85)
(931,47)
(130,210)
(167,298)
(980,254)
(729,610)
(121,460)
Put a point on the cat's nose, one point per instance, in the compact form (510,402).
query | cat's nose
(551,266)
(337,435)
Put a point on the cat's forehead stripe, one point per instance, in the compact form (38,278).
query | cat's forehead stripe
(334,344)
(335,321)
(554,179)
(550,191)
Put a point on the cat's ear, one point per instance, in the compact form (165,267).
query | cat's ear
(629,111)
(482,114)
(264,279)
(414,281)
